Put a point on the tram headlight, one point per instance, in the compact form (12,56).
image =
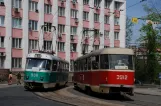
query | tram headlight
(41,78)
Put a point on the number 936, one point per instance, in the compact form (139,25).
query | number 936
(122,77)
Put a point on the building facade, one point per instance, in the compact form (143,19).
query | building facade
(21,30)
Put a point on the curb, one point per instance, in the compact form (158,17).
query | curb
(53,99)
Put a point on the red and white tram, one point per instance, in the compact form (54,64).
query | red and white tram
(108,70)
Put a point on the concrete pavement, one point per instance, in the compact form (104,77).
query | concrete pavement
(64,96)
(148,91)
(17,96)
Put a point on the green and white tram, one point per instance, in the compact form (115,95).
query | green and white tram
(45,71)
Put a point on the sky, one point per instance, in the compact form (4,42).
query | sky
(135,11)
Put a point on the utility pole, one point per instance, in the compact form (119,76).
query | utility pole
(84,32)
(50,27)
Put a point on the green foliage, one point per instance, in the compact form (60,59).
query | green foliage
(150,36)
(129,32)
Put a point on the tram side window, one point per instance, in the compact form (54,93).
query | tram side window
(95,62)
(54,68)
(104,64)
(48,65)
(89,63)
(75,66)
(85,65)
(82,64)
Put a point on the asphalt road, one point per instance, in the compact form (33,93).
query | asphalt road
(17,96)
(137,100)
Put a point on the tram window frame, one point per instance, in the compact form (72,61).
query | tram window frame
(86,65)
(102,61)
(75,66)
(50,65)
(89,63)
(95,62)
(56,69)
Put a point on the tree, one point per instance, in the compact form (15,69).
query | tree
(150,36)
(129,32)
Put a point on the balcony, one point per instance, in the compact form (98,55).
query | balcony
(117,43)
(61,54)
(17,33)
(62,20)
(17,53)
(17,12)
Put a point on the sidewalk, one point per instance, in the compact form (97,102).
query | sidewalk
(6,85)
(148,91)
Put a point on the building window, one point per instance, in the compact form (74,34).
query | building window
(74,13)
(85,48)
(116,21)
(61,11)
(47,9)
(16,3)
(73,47)
(106,34)
(97,2)
(73,30)
(61,46)
(1,41)
(33,5)
(85,2)
(16,22)
(105,46)
(85,15)
(2,59)
(16,42)
(33,25)
(48,27)
(16,62)
(95,47)
(106,19)
(33,44)
(117,5)
(2,20)
(96,33)
(116,36)
(96,17)
(61,28)
(107,3)
(47,45)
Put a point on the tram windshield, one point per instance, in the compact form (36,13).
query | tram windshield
(120,61)
(115,61)
(39,63)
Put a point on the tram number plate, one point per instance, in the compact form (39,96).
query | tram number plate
(34,75)
(122,77)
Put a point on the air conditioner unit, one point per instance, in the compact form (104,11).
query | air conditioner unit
(97,7)
(74,2)
(1,3)
(36,10)
(16,10)
(59,35)
(76,20)
(72,37)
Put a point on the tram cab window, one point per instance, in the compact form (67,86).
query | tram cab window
(89,63)
(55,66)
(95,62)
(48,65)
(104,64)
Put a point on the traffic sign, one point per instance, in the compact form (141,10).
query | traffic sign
(135,20)
(160,75)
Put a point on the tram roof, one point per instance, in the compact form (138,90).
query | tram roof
(108,51)
(46,56)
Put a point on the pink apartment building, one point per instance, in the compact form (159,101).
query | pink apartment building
(21,33)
